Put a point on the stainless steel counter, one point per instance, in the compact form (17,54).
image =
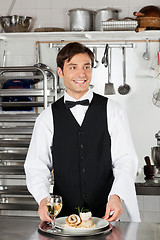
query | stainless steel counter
(26,228)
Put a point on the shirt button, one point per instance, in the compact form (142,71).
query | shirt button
(83,170)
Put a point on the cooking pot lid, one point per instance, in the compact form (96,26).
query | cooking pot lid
(80,9)
(108,9)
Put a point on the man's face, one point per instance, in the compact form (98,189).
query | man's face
(77,75)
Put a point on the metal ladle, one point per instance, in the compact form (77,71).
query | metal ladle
(96,62)
(146,53)
(125,88)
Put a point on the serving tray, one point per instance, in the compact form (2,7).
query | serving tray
(101,227)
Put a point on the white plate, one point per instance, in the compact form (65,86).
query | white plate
(99,225)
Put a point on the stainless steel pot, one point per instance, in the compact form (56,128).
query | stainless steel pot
(104,15)
(81,19)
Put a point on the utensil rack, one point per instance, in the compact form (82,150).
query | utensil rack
(15,133)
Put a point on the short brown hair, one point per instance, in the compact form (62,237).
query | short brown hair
(71,49)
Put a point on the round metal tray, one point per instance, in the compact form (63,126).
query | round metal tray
(46,228)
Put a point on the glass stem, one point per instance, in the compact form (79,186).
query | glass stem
(53,223)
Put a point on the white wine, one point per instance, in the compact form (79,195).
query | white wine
(54,209)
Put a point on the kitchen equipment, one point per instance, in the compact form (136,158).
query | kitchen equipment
(96,62)
(11,7)
(126,24)
(17,84)
(149,171)
(125,88)
(81,19)
(148,11)
(155,152)
(148,18)
(41,65)
(156,97)
(146,53)
(16,23)
(109,87)
(103,15)
(105,56)
(49,29)
(147,160)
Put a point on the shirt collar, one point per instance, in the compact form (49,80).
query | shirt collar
(88,95)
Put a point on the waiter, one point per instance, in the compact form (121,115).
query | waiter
(85,138)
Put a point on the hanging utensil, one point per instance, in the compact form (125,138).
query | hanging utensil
(146,53)
(109,87)
(105,56)
(125,88)
(156,97)
(10,8)
(96,62)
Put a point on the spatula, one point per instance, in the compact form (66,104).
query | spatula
(109,87)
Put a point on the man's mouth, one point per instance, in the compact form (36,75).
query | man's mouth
(81,81)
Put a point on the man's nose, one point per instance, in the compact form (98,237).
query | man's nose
(81,72)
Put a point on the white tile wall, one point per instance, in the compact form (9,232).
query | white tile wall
(149,207)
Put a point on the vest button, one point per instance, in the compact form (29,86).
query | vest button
(80,133)
(81,146)
(85,195)
(83,170)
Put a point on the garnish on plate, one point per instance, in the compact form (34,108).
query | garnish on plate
(84,220)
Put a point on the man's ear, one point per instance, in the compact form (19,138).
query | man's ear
(60,72)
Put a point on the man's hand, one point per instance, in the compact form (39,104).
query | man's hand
(113,206)
(43,212)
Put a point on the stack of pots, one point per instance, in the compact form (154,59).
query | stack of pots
(88,20)
(103,15)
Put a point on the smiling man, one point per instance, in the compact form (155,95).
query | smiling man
(85,138)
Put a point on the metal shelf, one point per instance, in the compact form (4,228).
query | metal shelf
(15,190)
(25,92)
(25,130)
(28,117)
(14,143)
(11,170)
(13,148)
(21,104)
(13,155)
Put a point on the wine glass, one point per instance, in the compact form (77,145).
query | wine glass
(54,206)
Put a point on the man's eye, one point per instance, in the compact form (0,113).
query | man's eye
(72,67)
(87,67)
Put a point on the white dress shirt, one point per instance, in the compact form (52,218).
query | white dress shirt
(38,163)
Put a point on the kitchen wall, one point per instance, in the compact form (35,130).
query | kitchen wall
(144,117)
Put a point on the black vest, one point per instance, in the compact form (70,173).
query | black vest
(82,157)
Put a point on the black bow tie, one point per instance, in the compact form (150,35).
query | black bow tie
(70,104)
